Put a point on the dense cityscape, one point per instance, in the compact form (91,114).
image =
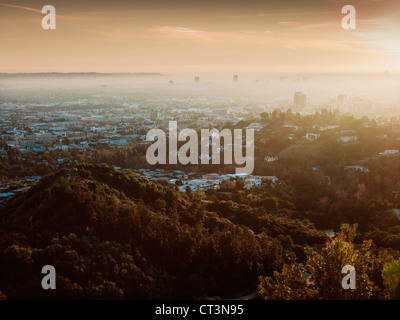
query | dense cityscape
(60,126)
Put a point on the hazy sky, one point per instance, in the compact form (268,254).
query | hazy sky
(207,35)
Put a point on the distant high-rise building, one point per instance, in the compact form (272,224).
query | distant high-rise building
(196,79)
(342,98)
(171,83)
(235,78)
(299,100)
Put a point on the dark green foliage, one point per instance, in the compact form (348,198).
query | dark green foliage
(117,235)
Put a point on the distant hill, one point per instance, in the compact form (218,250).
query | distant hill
(75,74)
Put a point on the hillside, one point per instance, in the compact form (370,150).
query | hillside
(112,234)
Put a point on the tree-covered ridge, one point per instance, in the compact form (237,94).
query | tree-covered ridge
(113,234)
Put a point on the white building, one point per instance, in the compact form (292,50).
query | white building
(346,139)
(356,168)
(270,159)
(312,136)
(388,152)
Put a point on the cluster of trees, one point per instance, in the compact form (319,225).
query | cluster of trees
(118,235)
(14,165)
(133,157)
(377,275)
